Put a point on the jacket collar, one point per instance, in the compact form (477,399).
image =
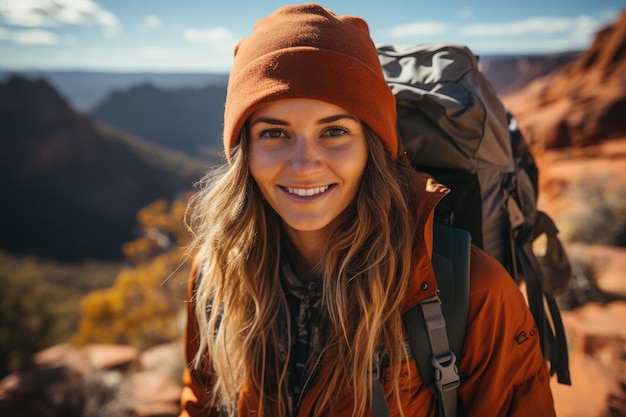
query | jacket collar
(423,284)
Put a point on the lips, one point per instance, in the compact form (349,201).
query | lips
(307,192)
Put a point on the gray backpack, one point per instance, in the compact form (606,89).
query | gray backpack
(453,126)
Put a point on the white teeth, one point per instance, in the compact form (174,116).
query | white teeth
(307,192)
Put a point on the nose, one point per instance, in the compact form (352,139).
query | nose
(305,156)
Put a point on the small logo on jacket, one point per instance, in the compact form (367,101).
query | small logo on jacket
(523,337)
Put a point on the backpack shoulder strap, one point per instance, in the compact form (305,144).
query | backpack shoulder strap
(443,317)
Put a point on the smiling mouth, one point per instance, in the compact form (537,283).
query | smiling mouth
(307,192)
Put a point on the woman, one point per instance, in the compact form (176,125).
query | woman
(317,236)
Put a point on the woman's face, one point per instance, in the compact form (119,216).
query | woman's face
(307,157)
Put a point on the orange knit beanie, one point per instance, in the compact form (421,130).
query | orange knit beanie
(307,51)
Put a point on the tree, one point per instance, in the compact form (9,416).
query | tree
(144,307)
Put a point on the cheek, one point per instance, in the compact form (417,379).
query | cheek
(356,166)
(262,170)
(258,177)
(258,164)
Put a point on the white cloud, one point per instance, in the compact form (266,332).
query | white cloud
(586,26)
(29,36)
(52,13)
(419,29)
(533,34)
(151,22)
(213,35)
(22,13)
(536,26)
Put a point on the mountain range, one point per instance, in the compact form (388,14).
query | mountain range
(73,180)
(188,120)
(71,187)
(84,90)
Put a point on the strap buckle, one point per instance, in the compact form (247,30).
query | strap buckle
(446,372)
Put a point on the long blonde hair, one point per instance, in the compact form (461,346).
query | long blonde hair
(365,272)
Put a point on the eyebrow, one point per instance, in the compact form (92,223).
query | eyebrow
(329,119)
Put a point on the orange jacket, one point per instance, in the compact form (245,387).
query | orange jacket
(502,369)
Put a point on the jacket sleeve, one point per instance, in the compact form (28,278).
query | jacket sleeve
(503,372)
(195,398)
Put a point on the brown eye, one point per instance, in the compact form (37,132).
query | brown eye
(272,134)
(335,131)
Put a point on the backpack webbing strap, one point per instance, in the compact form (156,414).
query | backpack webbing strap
(560,354)
(542,304)
(379,402)
(551,332)
(443,318)
(446,372)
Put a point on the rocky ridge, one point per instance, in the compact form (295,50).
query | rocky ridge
(574,121)
(581,104)
(96,380)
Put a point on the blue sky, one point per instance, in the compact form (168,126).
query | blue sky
(198,36)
